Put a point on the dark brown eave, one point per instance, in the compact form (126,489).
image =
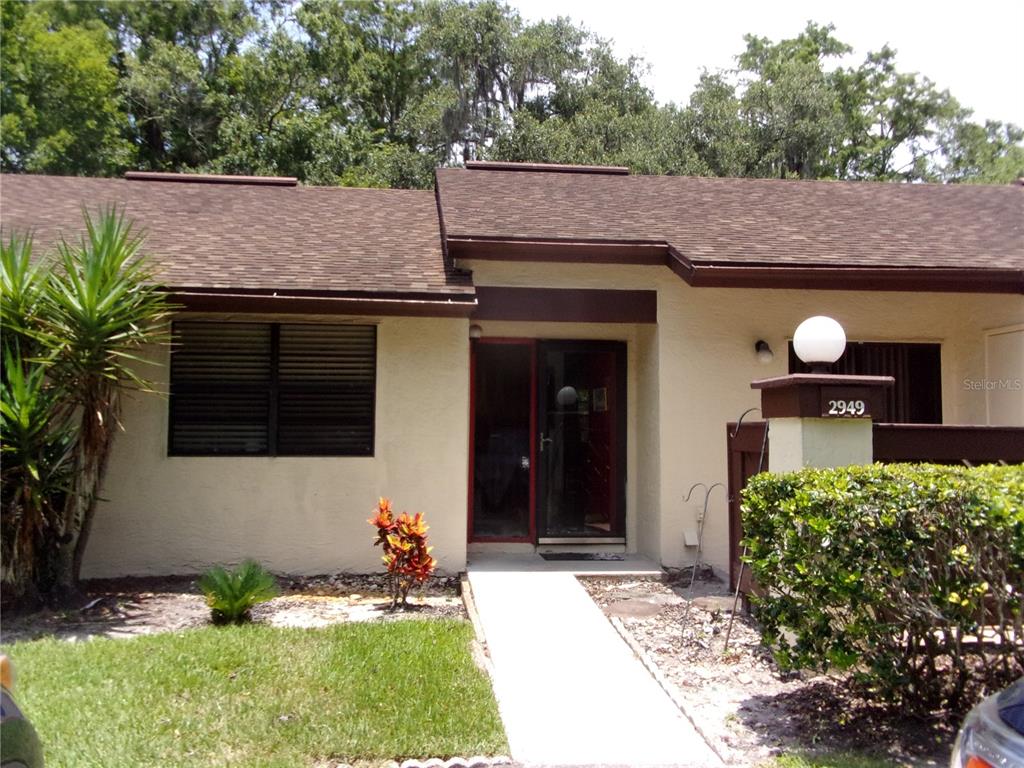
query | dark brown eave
(915,279)
(566,305)
(318,303)
(649,252)
(739,275)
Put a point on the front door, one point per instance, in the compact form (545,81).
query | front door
(502,432)
(548,451)
(581,445)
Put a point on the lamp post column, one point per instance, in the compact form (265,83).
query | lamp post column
(820,420)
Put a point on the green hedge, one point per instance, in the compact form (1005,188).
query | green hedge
(888,571)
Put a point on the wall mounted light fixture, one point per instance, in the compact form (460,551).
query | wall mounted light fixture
(475,331)
(763,351)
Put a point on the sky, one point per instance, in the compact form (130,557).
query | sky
(971,48)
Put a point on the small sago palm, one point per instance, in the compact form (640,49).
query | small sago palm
(232,594)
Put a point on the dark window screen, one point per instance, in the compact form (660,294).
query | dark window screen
(287,389)
(916,398)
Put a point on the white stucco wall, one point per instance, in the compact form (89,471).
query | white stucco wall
(173,514)
(705,361)
(687,377)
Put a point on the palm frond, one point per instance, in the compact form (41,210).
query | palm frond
(22,288)
(232,594)
(104,304)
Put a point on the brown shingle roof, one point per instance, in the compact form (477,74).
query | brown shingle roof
(746,221)
(254,237)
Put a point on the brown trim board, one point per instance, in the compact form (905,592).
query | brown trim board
(564,305)
(859,278)
(192,301)
(591,252)
(947,443)
(718,275)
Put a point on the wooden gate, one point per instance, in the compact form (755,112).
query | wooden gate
(748,455)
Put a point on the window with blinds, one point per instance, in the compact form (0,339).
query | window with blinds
(272,389)
(916,397)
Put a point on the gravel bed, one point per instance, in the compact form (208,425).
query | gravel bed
(143,606)
(741,701)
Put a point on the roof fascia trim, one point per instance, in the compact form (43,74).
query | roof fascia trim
(912,279)
(740,275)
(191,300)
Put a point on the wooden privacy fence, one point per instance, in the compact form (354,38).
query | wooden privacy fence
(947,444)
(933,443)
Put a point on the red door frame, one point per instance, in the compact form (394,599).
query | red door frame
(531,537)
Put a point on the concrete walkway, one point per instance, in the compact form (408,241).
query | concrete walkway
(569,689)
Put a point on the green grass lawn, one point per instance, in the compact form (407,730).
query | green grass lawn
(826,761)
(260,696)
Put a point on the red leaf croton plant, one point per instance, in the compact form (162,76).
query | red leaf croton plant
(406,554)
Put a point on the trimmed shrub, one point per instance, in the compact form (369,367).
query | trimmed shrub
(232,594)
(891,572)
(406,554)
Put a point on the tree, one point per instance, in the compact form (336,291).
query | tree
(60,108)
(87,317)
(889,113)
(719,137)
(600,115)
(790,104)
(976,154)
(484,65)
(380,92)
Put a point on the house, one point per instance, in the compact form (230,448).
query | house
(531,355)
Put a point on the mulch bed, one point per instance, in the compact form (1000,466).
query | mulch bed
(127,607)
(748,708)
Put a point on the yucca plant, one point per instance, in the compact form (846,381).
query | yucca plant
(22,288)
(232,594)
(73,331)
(101,308)
(36,450)
(36,431)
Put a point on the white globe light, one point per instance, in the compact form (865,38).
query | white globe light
(819,340)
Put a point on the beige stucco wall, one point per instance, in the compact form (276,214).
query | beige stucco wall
(687,376)
(703,354)
(799,443)
(297,514)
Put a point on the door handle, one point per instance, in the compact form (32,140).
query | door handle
(544,440)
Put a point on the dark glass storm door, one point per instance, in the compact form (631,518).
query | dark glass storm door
(548,453)
(502,426)
(581,388)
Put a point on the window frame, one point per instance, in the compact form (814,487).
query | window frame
(911,386)
(273,395)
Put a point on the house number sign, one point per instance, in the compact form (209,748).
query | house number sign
(850,403)
(846,408)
